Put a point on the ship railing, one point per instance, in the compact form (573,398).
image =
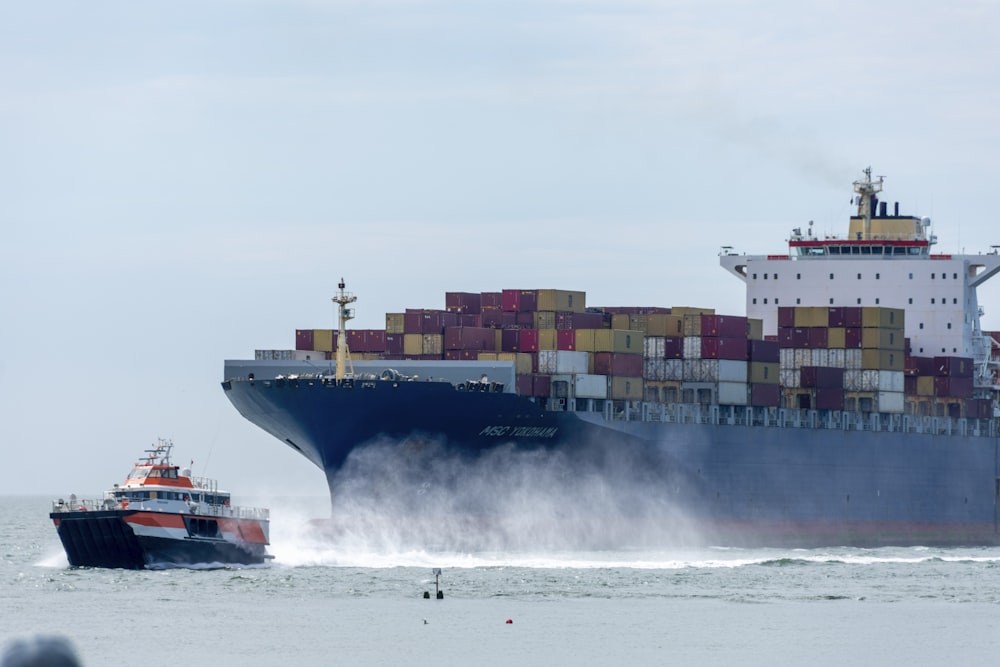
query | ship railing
(74,504)
(109,502)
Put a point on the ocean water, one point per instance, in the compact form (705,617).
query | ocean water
(345,600)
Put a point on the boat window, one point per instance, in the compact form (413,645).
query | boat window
(154,473)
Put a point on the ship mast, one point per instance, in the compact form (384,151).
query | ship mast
(866,190)
(343,354)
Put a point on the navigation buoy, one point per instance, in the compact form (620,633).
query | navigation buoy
(510,621)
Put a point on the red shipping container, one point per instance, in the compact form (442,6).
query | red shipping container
(492,300)
(786,337)
(786,316)
(910,385)
(979,408)
(493,319)
(765,395)
(852,338)
(852,316)
(467,320)
(673,347)
(528,340)
(836,316)
(829,398)
(394,343)
(520,300)
(542,385)
(733,348)
(618,363)
(818,337)
(821,377)
(303,339)
(723,326)
(764,350)
(566,339)
(469,338)
(525,320)
(463,302)
(569,320)
(510,340)
(953,367)
(461,355)
(953,387)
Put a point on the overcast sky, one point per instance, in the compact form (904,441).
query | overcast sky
(185,182)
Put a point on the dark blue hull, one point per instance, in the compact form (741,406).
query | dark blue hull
(741,484)
(104,539)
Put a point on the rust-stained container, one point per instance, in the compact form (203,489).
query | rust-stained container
(659,324)
(432,344)
(764,372)
(882,339)
(765,395)
(953,387)
(763,350)
(544,319)
(618,363)
(395,323)
(324,339)
(624,388)
(885,360)
(463,302)
(469,338)
(820,377)
(558,299)
(952,366)
(304,339)
(520,300)
(877,317)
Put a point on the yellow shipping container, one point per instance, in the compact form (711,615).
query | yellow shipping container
(881,360)
(626,388)
(394,323)
(692,324)
(755,329)
(585,339)
(545,319)
(432,343)
(620,321)
(667,325)
(323,340)
(688,310)
(811,316)
(413,344)
(638,323)
(925,385)
(615,340)
(882,339)
(522,361)
(487,356)
(562,300)
(547,339)
(884,318)
(763,372)
(836,338)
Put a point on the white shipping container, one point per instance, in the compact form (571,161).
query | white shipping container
(890,401)
(654,347)
(591,386)
(692,347)
(733,393)
(731,370)
(562,362)
(820,357)
(309,355)
(786,357)
(789,377)
(853,379)
(654,369)
(674,369)
(836,358)
(852,358)
(803,357)
(891,381)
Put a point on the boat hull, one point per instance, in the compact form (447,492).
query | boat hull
(736,483)
(135,539)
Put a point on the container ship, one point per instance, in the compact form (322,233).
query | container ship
(854,404)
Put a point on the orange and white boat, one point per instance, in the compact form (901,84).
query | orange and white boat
(161,516)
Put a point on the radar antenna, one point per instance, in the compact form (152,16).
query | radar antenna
(866,189)
(343,353)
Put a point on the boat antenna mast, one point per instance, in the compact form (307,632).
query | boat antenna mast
(343,354)
(866,190)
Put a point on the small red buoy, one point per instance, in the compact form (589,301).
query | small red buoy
(509,621)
